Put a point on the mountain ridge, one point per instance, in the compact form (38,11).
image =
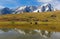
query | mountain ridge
(43,8)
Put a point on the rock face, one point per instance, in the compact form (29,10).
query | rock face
(25,9)
(6,11)
(45,8)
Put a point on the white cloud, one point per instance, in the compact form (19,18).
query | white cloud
(1,7)
(55,3)
(44,0)
(57,7)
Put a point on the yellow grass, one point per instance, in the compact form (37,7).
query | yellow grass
(46,21)
(32,17)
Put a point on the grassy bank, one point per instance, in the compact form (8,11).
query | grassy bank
(45,20)
(50,26)
(41,17)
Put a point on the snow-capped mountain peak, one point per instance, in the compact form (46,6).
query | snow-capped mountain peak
(21,8)
(25,9)
(45,8)
(46,4)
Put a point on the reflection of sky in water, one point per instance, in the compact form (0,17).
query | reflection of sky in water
(1,31)
(28,34)
(56,35)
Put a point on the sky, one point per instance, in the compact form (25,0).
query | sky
(17,3)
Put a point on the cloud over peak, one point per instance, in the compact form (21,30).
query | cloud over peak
(1,7)
(44,0)
(17,3)
(55,3)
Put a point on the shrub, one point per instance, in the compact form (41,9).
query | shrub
(36,23)
(53,15)
(30,22)
(45,20)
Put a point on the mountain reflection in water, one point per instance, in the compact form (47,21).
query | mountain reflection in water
(27,34)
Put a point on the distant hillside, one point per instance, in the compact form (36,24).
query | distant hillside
(6,10)
(41,17)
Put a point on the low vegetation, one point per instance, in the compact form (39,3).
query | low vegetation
(42,17)
(30,20)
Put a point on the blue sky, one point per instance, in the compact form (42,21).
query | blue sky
(17,3)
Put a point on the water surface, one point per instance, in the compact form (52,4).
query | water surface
(27,34)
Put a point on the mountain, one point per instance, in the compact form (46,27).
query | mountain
(45,8)
(6,11)
(25,9)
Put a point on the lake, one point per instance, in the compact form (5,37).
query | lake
(17,33)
